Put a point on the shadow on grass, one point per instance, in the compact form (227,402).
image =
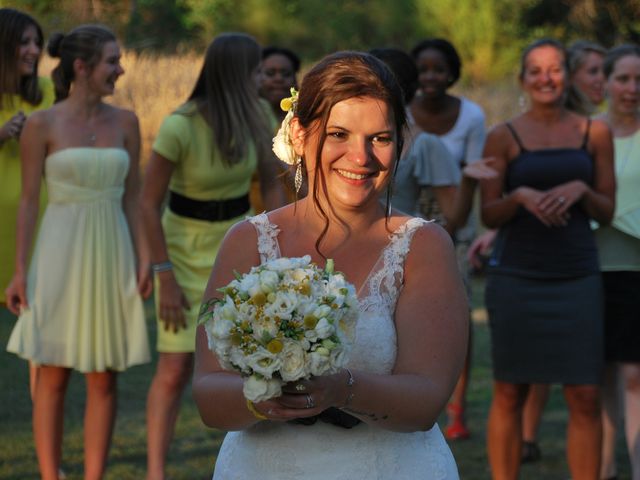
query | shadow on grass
(195,447)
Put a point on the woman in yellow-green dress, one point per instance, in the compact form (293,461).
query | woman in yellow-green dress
(205,155)
(21,93)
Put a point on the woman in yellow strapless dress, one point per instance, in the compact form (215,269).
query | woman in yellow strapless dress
(80,305)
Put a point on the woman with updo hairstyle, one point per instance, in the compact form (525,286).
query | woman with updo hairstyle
(79,300)
(377,418)
(544,290)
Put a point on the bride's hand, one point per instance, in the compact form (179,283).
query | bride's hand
(306,398)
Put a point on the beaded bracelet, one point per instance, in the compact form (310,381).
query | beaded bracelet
(251,407)
(350,382)
(161,267)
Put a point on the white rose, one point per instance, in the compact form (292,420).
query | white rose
(261,389)
(322,311)
(324,329)
(250,284)
(269,281)
(239,360)
(221,328)
(221,346)
(282,145)
(300,274)
(318,362)
(311,335)
(338,358)
(288,263)
(264,325)
(283,305)
(263,362)
(228,309)
(293,362)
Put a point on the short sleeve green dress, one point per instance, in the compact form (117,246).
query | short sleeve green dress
(199,173)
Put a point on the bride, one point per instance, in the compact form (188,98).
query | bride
(376,419)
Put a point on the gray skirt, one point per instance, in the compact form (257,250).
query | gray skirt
(546,330)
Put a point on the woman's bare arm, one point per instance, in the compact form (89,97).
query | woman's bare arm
(33,151)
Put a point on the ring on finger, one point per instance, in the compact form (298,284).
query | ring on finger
(560,199)
(310,402)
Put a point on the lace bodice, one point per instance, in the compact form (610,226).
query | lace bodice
(285,451)
(375,331)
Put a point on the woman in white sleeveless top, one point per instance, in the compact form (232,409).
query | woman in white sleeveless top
(412,333)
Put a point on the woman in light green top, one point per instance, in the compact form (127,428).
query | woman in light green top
(619,248)
(205,155)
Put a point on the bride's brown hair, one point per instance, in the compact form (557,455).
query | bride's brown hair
(337,77)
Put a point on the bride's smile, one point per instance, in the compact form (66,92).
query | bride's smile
(359,151)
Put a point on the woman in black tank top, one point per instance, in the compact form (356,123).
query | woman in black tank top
(544,293)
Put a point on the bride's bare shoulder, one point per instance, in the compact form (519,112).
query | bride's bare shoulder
(431,241)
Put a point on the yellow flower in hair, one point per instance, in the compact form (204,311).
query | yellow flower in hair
(288,103)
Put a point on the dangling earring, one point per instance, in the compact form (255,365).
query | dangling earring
(390,194)
(522,102)
(298,176)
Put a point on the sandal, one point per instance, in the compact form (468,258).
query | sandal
(530,452)
(456,429)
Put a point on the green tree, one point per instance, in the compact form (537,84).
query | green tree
(311,27)
(608,22)
(159,25)
(483,31)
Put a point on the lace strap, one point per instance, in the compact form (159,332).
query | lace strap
(385,282)
(267,237)
(399,247)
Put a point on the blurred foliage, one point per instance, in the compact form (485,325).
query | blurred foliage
(488,33)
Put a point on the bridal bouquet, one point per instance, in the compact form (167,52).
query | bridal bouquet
(285,320)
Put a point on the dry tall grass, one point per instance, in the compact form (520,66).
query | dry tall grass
(153,86)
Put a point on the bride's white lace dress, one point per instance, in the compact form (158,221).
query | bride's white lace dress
(275,450)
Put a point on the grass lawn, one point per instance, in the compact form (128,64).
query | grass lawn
(194,449)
